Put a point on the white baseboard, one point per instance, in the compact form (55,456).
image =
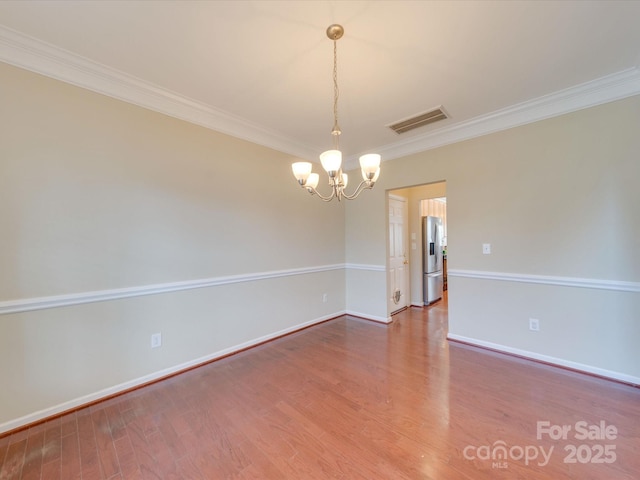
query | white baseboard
(621,377)
(366,316)
(123,387)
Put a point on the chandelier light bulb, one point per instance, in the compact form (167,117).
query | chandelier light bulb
(312,181)
(301,170)
(370,163)
(331,160)
(371,177)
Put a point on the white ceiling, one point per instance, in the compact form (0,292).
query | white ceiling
(262,70)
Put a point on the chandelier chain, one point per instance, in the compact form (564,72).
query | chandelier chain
(336,93)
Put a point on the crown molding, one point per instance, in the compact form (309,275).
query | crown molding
(616,86)
(37,56)
(46,59)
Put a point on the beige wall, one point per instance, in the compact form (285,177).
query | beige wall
(98,195)
(556,199)
(101,196)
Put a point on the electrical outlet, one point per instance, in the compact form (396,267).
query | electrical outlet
(534,324)
(486,249)
(325,298)
(156,340)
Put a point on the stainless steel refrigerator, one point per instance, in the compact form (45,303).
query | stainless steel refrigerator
(432,259)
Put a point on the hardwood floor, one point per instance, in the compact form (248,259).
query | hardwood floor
(347,399)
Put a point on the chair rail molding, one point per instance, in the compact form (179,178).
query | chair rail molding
(41,303)
(618,285)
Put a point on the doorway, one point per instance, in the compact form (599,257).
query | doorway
(417,200)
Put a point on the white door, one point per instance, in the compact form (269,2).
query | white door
(398,279)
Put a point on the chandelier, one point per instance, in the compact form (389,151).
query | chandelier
(332,159)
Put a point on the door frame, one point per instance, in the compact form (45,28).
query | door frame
(405,239)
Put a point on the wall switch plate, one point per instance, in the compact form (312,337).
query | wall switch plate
(534,324)
(486,248)
(414,246)
(325,298)
(156,340)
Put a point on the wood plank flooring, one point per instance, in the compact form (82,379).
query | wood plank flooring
(347,399)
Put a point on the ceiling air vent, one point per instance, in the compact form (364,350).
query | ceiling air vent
(419,120)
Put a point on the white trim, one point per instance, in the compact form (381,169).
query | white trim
(367,316)
(617,285)
(397,197)
(46,59)
(35,55)
(361,266)
(609,88)
(30,304)
(41,303)
(122,387)
(622,377)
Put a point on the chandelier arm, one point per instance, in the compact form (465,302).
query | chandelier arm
(364,185)
(313,191)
